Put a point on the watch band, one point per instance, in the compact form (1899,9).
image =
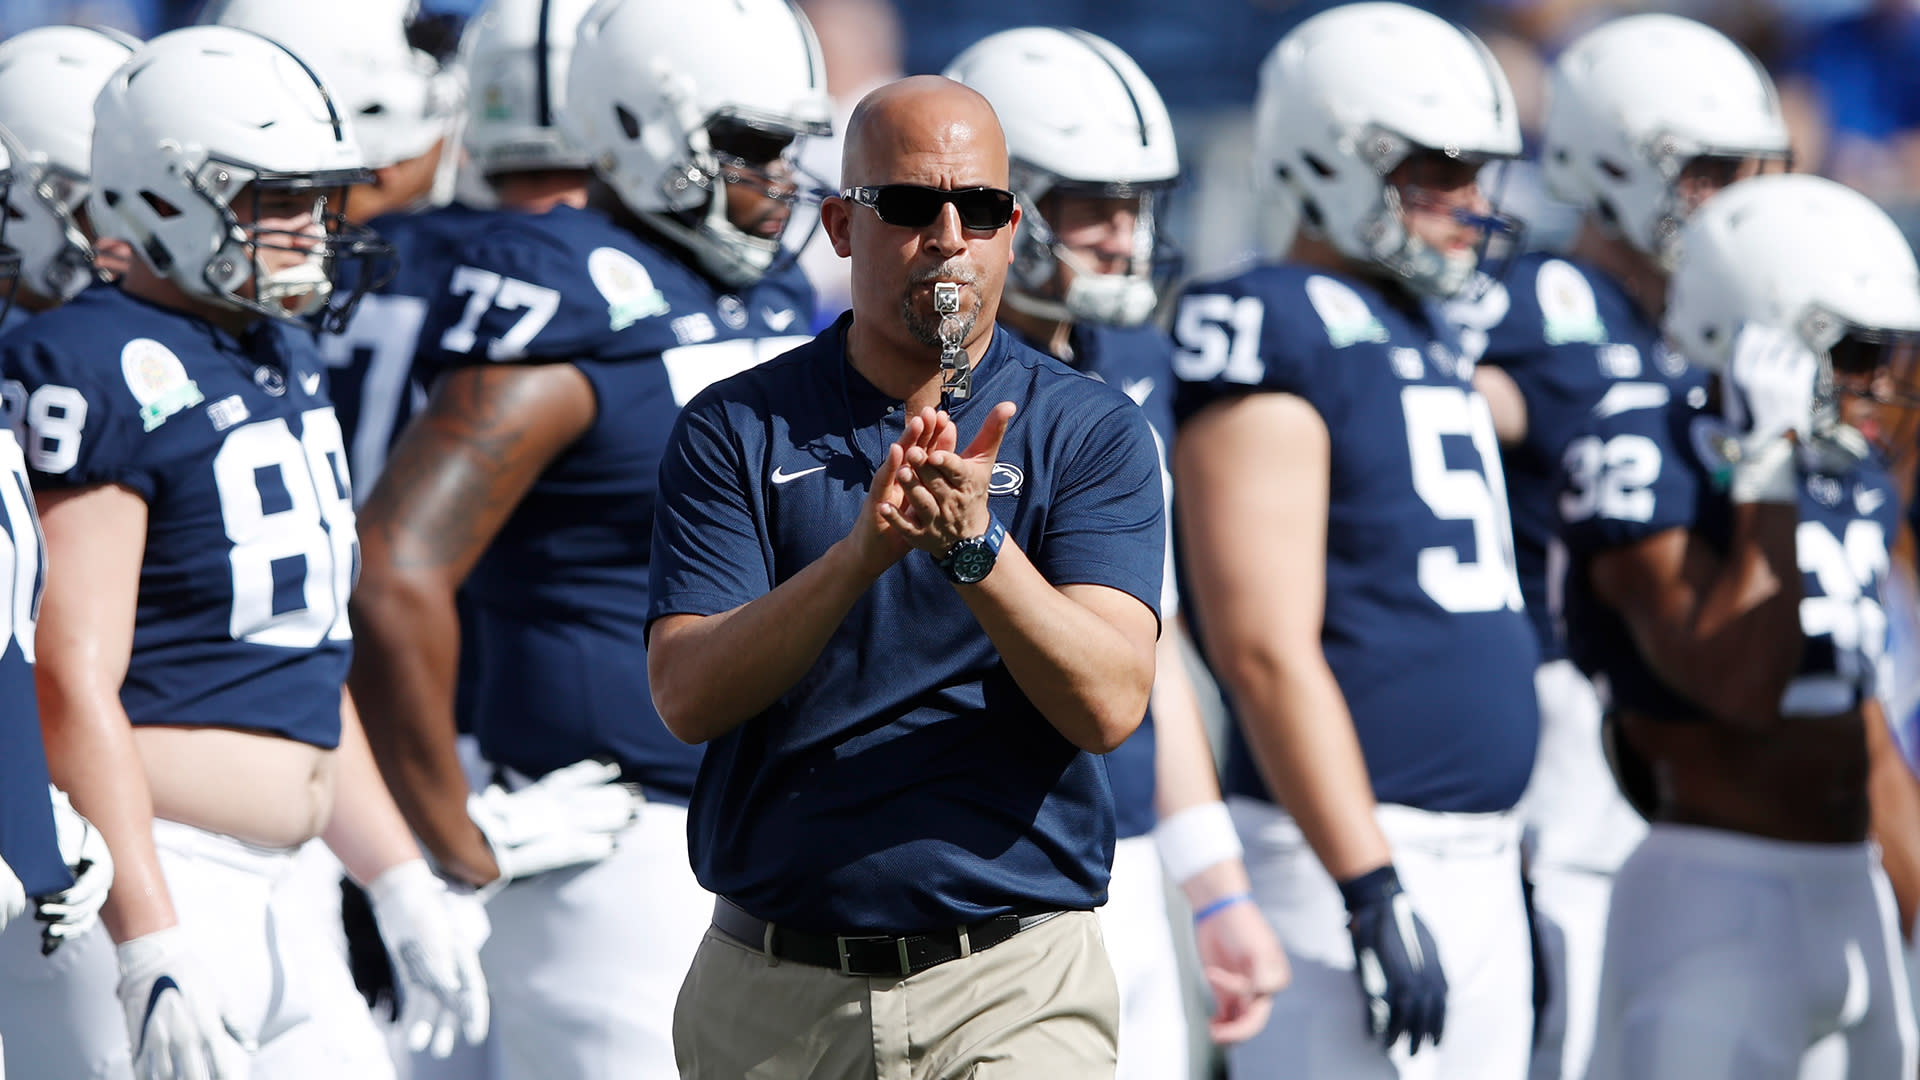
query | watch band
(970,560)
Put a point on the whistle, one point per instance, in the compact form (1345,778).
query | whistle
(956,370)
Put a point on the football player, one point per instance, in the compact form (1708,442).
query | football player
(199,529)
(1092,158)
(404,110)
(1350,567)
(1648,116)
(568,341)
(1728,548)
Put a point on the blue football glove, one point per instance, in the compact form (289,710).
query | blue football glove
(1395,957)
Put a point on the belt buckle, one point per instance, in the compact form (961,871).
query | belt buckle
(846,965)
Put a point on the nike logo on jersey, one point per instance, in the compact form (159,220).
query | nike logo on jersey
(1138,389)
(1629,396)
(777,321)
(310,382)
(1866,500)
(781,477)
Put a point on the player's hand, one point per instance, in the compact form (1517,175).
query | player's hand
(567,817)
(173,1022)
(1770,383)
(1245,966)
(76,909)
(877,544)
(1396,959)
(945,493)
(434,936)
(13,895)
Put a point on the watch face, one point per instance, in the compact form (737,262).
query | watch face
(971,563)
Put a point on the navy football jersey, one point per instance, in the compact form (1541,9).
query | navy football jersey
(1424,628)
(1565,333)
(371,377)
(1654,463)
(905,782)
(241,620)
(1139,361)
(27,840)
(558,601)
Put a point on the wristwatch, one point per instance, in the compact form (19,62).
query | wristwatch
(970,560)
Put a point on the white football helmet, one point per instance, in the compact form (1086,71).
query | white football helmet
(1351,93)
(655,84)
(1080,118)
(1633,101)
(516,54)
(400,100)
(1793,252)
(49,77)
(193,118)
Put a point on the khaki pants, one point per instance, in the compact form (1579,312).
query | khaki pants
(1039,1005)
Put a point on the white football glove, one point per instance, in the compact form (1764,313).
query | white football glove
(74,910)
(1769,394)
(567,817)
(13,895)
(173,1021)
(434,937)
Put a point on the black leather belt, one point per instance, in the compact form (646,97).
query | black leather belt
(870,954)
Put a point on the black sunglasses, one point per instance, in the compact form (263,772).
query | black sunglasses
(912,206)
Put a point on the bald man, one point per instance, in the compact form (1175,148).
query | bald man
(904,589)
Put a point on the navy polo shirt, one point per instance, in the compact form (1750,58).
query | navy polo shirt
(906,781)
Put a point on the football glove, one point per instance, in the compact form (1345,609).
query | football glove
(567,817)
(1769,394)
(173,1022)
(1395,957)
(434,936)
(74,910)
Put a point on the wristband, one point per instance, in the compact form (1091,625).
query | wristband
(1221,905)
(1767,473)
(1195,838)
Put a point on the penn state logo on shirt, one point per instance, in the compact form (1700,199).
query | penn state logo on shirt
(626,286)
(1347,318)
(1006,479)
(732,312)
(1568,310)
(158,381)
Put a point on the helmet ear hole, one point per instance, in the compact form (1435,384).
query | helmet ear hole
(158,205)
(1319,167)
(629,123)
(1310,211)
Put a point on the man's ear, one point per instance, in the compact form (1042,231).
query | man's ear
(1013,233)
(836,217)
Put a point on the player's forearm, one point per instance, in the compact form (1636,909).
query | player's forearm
(1735,645)
(366,832)
(1184,774)
(1296,721)
(1894,793)
(91,756)
(711,673)
(1081,671)
(407,642)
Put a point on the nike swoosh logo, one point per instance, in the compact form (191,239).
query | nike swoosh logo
(780,477)
(1867,500)
(310,382)
(778,320)
(1138,389)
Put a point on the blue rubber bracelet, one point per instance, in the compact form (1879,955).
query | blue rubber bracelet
(1219,906)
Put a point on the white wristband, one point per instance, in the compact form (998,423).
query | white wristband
(1769,473)
(1196,838)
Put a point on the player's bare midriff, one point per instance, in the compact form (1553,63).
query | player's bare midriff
(263,789)
(1804,781)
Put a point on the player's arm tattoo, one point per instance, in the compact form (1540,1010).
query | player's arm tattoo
(466,462)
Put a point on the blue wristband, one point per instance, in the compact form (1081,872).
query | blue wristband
(1219,906)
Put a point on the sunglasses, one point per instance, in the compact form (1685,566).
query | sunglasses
(912,206)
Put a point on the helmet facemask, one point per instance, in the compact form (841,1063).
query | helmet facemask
(1126,298)
(1691,174)
(1392,243)
(759,156)
(238,273)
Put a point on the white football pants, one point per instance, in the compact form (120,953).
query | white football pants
(1153,1020)
(1463,873)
